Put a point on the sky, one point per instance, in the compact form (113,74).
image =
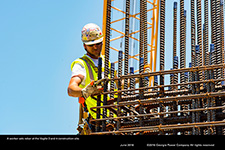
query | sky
(39,40)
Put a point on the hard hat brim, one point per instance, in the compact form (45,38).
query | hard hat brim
(94,42)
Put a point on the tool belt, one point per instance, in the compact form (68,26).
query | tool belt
(84,127)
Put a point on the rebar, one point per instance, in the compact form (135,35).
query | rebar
(107,52)
(141,39)
(192,106)
(174,30)
(126,47)
(99,96)
(182,41)
(193,32)
(218,43)
(145,35)
(112,75)
(162,37)
(199,33)
(205,32)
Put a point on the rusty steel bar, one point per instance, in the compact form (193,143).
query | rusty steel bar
(99,96)
(164,99)
(164,72)
(162,55)
(141,91)
(174,30)
(162,113)
(193,32)
(120,56)
(164,127)
(222,30)
(182,41)
(145,33)
(220,59)
(107,52)
(141,35)
(112,83)
(199,33)
(218,43)
(206,31)
(158,86)
(126,47)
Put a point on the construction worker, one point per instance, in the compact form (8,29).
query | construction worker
(84,72)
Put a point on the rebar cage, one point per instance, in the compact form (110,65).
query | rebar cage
(192,102)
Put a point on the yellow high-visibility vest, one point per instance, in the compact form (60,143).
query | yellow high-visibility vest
(90,102)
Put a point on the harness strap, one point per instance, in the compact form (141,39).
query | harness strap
(89,69)
(91,63)
(88,62)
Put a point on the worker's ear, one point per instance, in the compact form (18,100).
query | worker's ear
(85,47)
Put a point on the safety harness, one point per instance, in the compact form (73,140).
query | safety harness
(84,115)
(88,63)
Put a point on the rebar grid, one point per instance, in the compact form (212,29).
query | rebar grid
(195,105)
(143,117)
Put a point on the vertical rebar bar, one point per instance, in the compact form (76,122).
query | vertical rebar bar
(174,31)
(208,99)
(155,82)
(222,30)
(141,91)
(213,30)
(145,33)
(182,39)
(204,52)
(193,101)
(193,32)
(174,39)
(206,31)
(171,80)
(126,47)
(220,58)
(212,84)
(112,75)
(197,78)
(222,35)
(199,34)
(99,96)
(162,39)
(132,80)
(218,43)
(162,53)
(120,67)
(175,59)
(145,38)
(107,51)
(184,47)
(141,33)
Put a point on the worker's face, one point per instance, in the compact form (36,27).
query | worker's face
(94,50)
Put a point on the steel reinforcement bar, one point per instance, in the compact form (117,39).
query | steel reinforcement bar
(164,127)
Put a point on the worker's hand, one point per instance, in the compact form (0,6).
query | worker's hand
(91,89)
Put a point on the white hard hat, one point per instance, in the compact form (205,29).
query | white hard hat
(91,34)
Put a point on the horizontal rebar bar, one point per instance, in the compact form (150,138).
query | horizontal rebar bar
(164,72)
(164,99)
(164,127)
(160,113)
(169,85)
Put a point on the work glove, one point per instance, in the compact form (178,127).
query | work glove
(92,88)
